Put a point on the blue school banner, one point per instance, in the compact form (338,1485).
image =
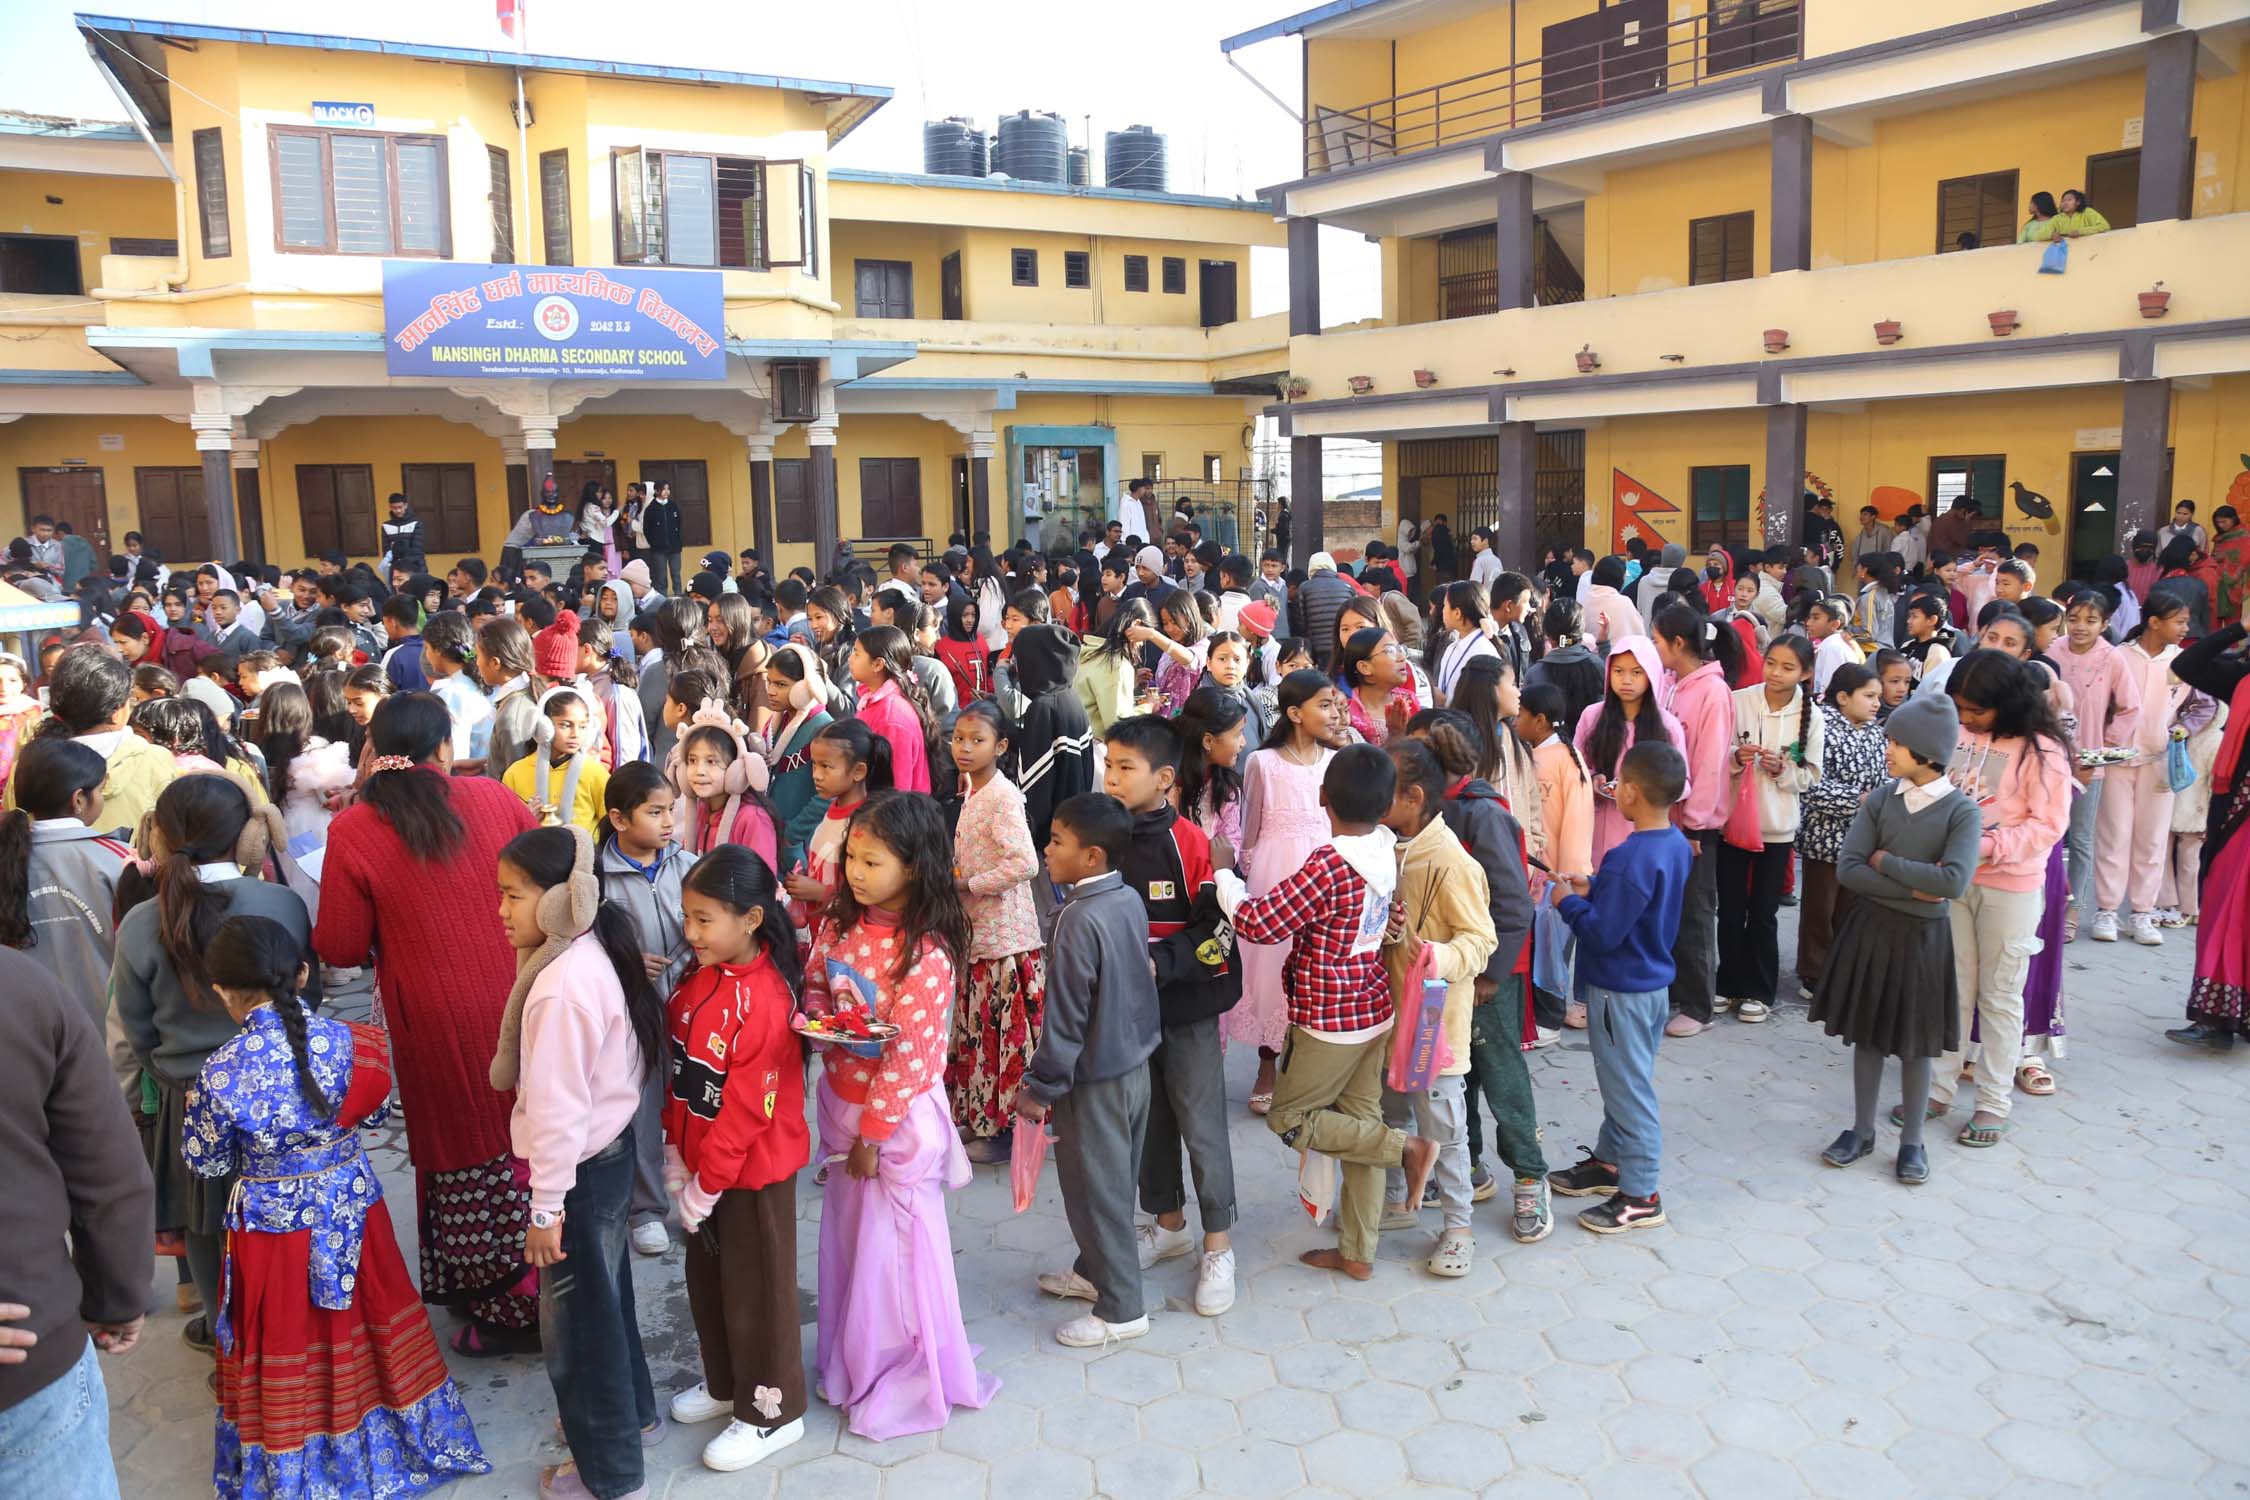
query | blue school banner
(447,319)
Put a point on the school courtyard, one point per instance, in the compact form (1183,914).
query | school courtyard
(2066,1313)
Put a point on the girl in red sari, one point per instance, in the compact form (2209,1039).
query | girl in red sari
(2219,1005)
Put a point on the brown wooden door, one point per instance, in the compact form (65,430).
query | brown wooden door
(1218,292)
(571,477)
(890,497)
(73,495)
(1592,61)
(690,479)
(792,501)
(519,490)
(174,525)
(337,504)
(445,497)
(949,288)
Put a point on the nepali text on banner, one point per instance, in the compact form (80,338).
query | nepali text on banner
(448,319)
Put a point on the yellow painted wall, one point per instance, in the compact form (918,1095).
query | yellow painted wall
(1637,227)
(40,442)
(991,295)
(925,246)
(209,97)
(93,210)
(384,443)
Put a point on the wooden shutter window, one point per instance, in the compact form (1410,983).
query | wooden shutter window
(445,497)
(211,194)
(1983,205)
(503,207)
(1136,273)
(1175,275)
(1721,248)
(1077,269)
(554,206)
(1023,267)
(792,499)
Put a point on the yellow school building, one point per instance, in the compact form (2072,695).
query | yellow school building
(196,344)
(1648,262)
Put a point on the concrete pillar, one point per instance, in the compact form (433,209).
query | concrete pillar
(249,498)
(821,475)
(2167,108)
(1515,535)
(1304,276)
(1790,220)
(214,445)
(1785,471)
(512,459)
(2140,463)
(1519,250)
(1305,503)
(761,498)
(982,445)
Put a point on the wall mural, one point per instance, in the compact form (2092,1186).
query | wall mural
(1631,502)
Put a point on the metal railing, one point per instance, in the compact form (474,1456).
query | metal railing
(1632,52)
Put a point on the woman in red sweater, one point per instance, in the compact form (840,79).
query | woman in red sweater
(408,879)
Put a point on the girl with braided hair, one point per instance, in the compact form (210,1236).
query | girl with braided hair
(1778,752)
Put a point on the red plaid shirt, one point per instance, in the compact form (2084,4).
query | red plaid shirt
(1320,908)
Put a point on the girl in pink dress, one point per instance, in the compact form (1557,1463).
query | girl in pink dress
(1627,714)
(1282,823)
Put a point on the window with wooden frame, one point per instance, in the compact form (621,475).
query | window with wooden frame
(1078,269)
(445,497)
(1978,476)
(337,502)
(1983,206)
(1023,267)
(792,500)
(1136,273)
(1722,248)
(1721,502)
(503,208)
(1175,275)
(340,192)
(1214,468)
(554,206)
(883,288)
(677,208)
(118,245)
(211,194)
(1152,467)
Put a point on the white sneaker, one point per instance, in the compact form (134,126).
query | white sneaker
(1214,1282)
(1068,1284)
(652,1238)
(1721,1004)
(1804,992)
(742,1445)
(2104,927)
(2144,930)
(1752,1011)
(1159,1243)
(1542,1037)
(1091,1332)
(697,1404)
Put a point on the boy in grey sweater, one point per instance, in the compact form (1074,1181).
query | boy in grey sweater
(1090,1073)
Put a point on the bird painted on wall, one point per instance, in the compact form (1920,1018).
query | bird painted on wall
(2031,502)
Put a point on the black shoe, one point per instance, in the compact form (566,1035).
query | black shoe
(1847,1148)
(197,1335)
(1619,1213)
(1588,1179)
(2209,1038)
(1913,1165)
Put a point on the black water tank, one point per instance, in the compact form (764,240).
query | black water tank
(953,147)
(1081,167)
(1032,147)
(1133,158)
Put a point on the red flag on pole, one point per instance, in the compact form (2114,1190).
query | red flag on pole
(507,11)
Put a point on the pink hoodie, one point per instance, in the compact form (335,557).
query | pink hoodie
(2105,691)
(1704,705)
(1610,828)
(581,1071)
(2025,800)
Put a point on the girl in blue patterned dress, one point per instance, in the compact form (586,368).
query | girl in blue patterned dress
(330,1381)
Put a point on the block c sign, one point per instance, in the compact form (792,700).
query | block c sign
(337,112)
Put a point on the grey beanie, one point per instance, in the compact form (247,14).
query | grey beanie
(1928,725)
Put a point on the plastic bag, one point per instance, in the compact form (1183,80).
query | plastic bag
(1744,830)
(1554,951)
(1418,1049)
(2179,769)
(2055,259)
(1316,1184)
(1027,1156)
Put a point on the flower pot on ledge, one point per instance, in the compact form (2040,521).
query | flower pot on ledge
(1360,384)
(2153,304)
(1889,332)
(1777,339)
(1296,388)
(1424,379)
(2003,322)
(1588,361)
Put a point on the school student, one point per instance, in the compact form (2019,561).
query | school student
(1626,714)
(1704,659)
(848,764)
(996,1024)
(2134,825)
(1851,764)
(893,704)
(1627,920)
(560,781)
(59,869)
(1334,912)
(720,783)
(1891,987)
(2106,693)
(734,1121)
(1090,1077)
(1168,866)
(1777,756)
(798,693)
(582,1029)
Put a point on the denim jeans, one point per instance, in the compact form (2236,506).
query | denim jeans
(1625,1031)
(586,1321)
(2078,847)
(57,1442)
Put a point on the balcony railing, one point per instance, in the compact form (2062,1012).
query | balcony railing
(1623,51)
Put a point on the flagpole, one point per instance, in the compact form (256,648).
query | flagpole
(523,145)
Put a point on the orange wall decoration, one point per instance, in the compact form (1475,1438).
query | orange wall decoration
(1890,500)
(1632,500)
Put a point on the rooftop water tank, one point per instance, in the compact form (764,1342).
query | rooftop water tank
(1133,158)
(1081,167)
(953,147)
(1032,147)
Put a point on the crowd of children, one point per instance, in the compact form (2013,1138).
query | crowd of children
(1023,845)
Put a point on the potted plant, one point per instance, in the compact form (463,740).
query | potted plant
(1360,384)
(1588,360)
(2154,301)
(1889,332)
(1777,339)
(1424,379)
(2003,322)
(1295,388)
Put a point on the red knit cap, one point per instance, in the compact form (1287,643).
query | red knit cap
(554,651)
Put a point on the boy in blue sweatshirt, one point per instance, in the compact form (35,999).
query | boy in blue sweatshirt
(1626,919)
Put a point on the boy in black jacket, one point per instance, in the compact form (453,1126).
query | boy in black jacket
(1191,947)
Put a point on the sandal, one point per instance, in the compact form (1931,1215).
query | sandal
(1456,1256)
(1261,1104)
(1930,1111)
(2033,1078)
(477,1341)
(1973,1134)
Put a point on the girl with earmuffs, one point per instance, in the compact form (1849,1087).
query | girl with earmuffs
(798,690)
(560,780)
(204,849)
(720,778)
(582,1028)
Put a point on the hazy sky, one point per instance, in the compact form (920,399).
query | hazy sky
(1155,63)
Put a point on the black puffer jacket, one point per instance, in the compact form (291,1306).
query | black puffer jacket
(1051,756)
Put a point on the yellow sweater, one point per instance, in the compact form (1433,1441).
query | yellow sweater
(585,808)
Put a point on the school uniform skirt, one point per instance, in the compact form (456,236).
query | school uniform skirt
(1889,983)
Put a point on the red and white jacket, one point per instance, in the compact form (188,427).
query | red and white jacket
(734,1103)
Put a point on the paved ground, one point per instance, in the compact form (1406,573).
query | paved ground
(2066,1313)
